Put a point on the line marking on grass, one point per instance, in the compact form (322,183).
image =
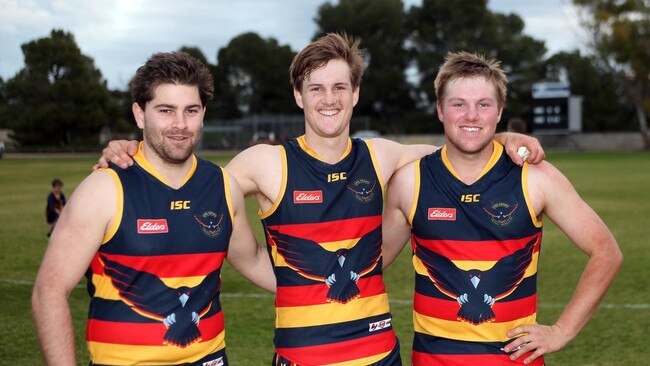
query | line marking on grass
(241,295)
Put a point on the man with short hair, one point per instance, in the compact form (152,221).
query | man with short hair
(151,239)
(320,197)
(475,223)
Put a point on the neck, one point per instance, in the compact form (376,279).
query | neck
(328,149)
(468,167)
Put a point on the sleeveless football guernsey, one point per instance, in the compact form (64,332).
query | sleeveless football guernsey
(324,236)
(154,283)
(475,252)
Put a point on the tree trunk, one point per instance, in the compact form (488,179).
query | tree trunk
(643,126)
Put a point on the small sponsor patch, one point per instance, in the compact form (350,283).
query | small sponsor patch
(307,197)
(152,226)
(444,214)
(215,362)
(382,324)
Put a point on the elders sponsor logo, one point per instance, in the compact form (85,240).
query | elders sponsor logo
(444,214)
(372,327)
(215,362)
(150,226)
(307,196)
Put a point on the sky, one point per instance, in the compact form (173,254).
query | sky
(119,35)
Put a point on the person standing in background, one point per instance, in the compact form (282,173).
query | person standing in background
(55,203)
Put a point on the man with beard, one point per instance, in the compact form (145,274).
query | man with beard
(151,239)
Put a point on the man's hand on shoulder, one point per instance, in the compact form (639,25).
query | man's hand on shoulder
(118,152)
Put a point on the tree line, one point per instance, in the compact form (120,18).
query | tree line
(59,98)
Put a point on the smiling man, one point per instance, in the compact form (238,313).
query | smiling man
(475,222)
(151,239)
(321,197)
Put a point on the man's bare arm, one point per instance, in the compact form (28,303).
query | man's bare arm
(244,254)
(395,226)
(555,196)
(75,240)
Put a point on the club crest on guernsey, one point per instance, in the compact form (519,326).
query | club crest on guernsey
(363,189)
(210,223)
(501,213)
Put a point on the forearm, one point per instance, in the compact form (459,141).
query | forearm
(258,270)
(54,328)
(594,282)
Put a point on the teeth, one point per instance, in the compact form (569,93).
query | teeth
(470,129)
(328,112)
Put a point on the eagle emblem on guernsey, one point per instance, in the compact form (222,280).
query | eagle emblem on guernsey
(501,213)
(210,223)
(179,309)
(476,290)
(363,189)
(339,270)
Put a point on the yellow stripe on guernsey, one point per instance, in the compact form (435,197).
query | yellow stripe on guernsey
(524,185)
(283,186)
(416,191)
(101,351)
(480,265)
(226,189)
(371,149)
(146,165)
(453,329)
(104,288)
(306,316)
(119,193)
(496,153)
(371,360)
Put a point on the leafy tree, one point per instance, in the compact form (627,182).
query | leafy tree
(386,95)
(446,26)
(59,98)
(253,72)
(601,108)
(620,38)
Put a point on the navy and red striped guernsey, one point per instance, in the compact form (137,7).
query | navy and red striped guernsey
(475,253)
(324,236)
(154,283)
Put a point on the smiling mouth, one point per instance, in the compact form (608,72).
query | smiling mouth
(328,112)
(470,129)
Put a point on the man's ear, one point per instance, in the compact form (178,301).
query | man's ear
(439,110)
(297,95)
(138,114)
(355,96)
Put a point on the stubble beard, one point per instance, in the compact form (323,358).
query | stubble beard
(166,152)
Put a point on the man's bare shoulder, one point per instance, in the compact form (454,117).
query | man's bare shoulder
(256,155)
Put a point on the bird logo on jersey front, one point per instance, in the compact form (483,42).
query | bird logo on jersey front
(501,213)
(179,309)
(363,189)
(339,270)
(210,223)
(476,290)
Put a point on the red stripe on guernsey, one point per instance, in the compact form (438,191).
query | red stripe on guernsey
(322,232)
(165,266)
(424,359)
(448,309)
(341,351)
(488,250)
(145,334)
(317,294)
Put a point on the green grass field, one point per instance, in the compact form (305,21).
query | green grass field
(616,185)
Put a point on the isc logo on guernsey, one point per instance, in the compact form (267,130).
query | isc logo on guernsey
(152,226)
(445,214)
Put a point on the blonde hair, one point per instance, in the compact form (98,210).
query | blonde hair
(460,65)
